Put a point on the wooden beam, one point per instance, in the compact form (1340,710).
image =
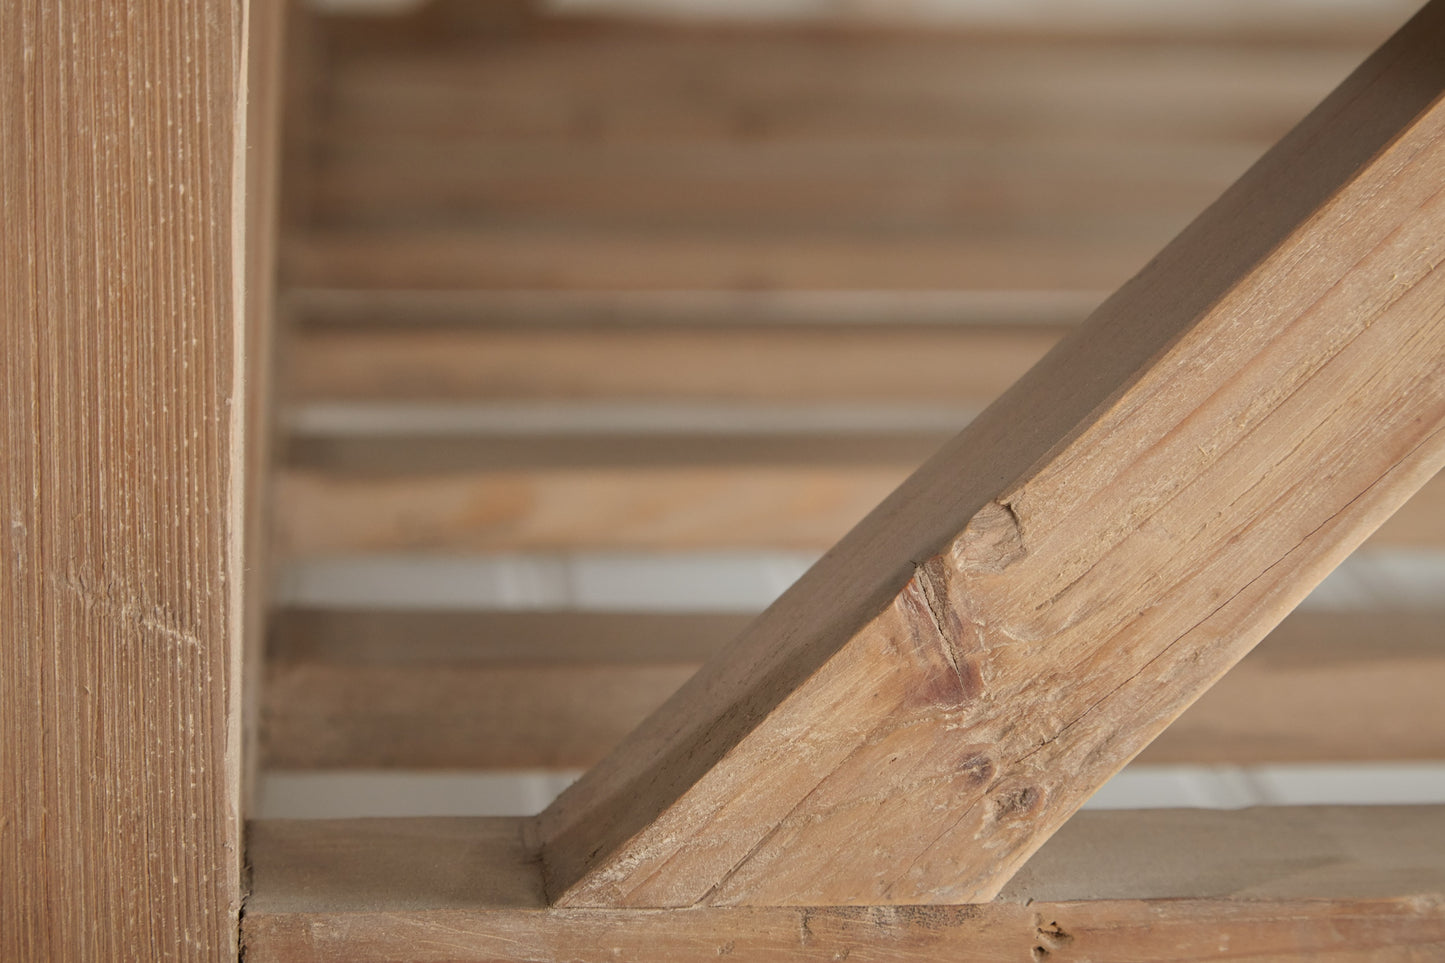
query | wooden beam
(342,309)
(568,509)
(799,363)
(767,496)
(1325,686)
(943,689)
(626,82)
(1088,189)
(122,288)
(539,690)
(459,690)
(335,457)
(570,258)
(1163,887)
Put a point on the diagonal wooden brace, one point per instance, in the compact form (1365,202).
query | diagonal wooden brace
(948,685)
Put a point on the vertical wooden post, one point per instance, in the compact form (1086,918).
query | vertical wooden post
(123,440)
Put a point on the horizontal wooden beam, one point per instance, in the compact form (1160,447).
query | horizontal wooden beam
(472,690)
(570,509)
(488,256)
(1031,608)
(732,441)
(781,492)
(970,364)
(1163,887)
(343,309)
(630,83)
(1101,188)
(540,690)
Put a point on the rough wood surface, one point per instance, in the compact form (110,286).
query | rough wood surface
(122,292)
(935,697)
(536,690)
(1330,884)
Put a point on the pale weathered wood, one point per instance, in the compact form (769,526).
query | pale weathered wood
(935,697)
(538,690)
(1324,883)
(751,492)
(1324,686)
(123,294)
(556,509)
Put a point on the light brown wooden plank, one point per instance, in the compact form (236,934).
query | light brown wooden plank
(339,309)
(487,256)
(123,297)
(1328,883)
(373,690)
(1420,524)
(1322,687)
(965,364)
(1083,190)
(623,492)
(617,82)
(472,690)
(376,456)
(936,696)
(570,509)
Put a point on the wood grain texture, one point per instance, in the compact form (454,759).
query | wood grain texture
(569,509)
(122,292)
(630,492)
(936,696)
(1327,883)
(488,690)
